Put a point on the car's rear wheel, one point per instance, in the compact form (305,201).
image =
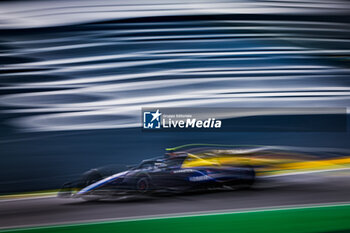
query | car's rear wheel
(246,178)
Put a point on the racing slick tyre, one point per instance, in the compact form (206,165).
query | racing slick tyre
(91,177)
(143,185)
(248,178)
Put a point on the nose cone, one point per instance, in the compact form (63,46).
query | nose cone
(100,183)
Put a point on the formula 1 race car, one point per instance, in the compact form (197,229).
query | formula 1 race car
(177,171)
(202,167)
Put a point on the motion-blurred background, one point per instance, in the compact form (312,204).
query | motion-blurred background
(75,74)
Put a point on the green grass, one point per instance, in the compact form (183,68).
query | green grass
(310,220)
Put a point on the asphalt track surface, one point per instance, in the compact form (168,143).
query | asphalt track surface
(52,211)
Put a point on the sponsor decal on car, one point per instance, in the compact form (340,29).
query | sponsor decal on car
(199,178)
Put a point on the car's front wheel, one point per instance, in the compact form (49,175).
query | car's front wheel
(91,177)
(143,185)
